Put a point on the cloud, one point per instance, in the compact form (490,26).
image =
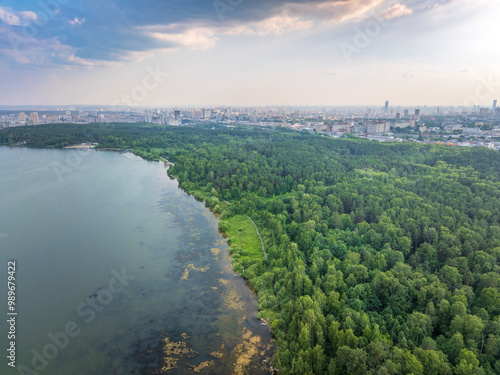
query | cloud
(40,52)
(395,11)
(281,17)
(338,11)
(54,78)
(195,38)
(122,30)
(277,25)
(12,18)
(77,21)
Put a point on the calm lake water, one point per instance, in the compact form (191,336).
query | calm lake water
(118,271)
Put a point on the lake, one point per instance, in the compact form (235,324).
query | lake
(118,271)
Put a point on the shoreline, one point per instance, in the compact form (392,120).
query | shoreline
(216,215)
(72,147)
(250,341)
(226,238)
(164,161)
(272,369)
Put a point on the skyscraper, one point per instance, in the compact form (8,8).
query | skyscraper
(406,113)
(417,114)
(386,106)
(148,116)
(494,105)
(177,116)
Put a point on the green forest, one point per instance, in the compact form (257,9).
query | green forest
(383,258)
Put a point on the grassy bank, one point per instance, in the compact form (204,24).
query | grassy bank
(245,243)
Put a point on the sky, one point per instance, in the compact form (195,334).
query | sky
(249,52)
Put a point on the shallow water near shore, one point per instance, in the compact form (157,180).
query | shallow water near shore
(118,271)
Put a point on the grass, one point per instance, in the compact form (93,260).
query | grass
(241,233)
(198,194)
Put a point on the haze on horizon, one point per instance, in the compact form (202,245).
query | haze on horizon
(242,52)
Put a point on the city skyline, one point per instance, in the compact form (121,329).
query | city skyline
(241,53)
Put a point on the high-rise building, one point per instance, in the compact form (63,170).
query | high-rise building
(148,116)
(398,115)
(406,113)
(170,120)
(417,114)
(413,120)
(386,106)
(378,127)
(34,117)
(494,105)
(177,115)
(21,117)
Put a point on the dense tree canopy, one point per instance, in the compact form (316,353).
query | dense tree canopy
(383,258)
